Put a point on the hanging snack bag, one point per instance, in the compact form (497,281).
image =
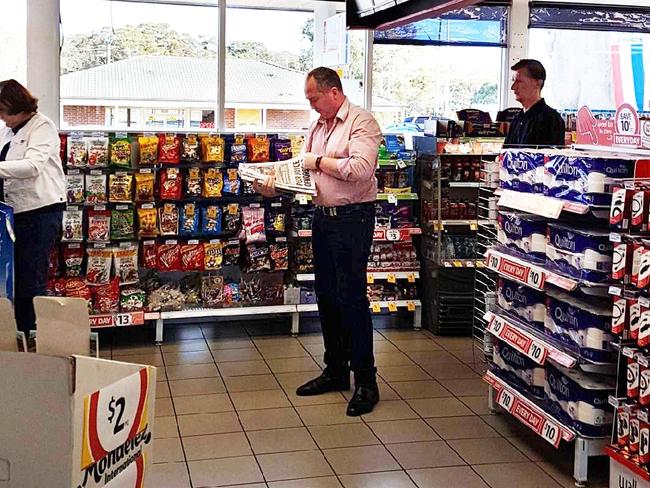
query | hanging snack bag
(148,150)
(297,143)
(99,225)
(147,221)
(253,223)
(281,149)
(74,186)
(77,152)
(192,256)
(212,255)
(63,148)
(171,184)
(169,256)
(73,257)
(99,265)
(193,183)
(189,220)
(144,186)
(231,253)
(231,184)
(213,149)
(258,149)
(122,225)
(275,220)
(211,220)
(238,152)
(149,254)
(132,299)
(73,224)
(258,257)
(120,187)
(168,220)
(279,253)
(121,152)
(98,152)
(106,298)
(169,149)
(95,188)
(126,264)
(212,290)
(191,149)
(212,183)
(231,219)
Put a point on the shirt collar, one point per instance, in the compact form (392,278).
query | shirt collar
(343,112)
(21,125)
(538,106)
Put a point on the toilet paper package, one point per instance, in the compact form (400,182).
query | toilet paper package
(522,302)
(583,178)
(581,326)
(521,170)
(580,253)
(523,234)
(519,371)
(579,400)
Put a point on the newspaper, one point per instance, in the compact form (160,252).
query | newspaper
(290,175)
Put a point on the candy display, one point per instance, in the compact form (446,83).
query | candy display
(213,149)
(122,224)
(193,183)
(232,183)
(231,219)
(192,256)
(147,221)
(97,152)
(72,224)
(126,264)
(169,149)
(144,186)
(120,187)
(74,187)
(95,188)
(258,258)
(121,152)
(190,149)
(168,219)
(77,152)
(171,184)
(212,290)
(106,297)
(212,255)
(169,256)
(99,225)
(148,150)
(253,224)
(73,257)
(132,299)
(189,219)
(258,149)
(211,220)
(212,183)
(231,253)
(98,268)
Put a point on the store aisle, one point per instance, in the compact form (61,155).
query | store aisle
(227,415)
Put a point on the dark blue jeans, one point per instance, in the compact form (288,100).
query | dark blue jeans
(36,234)
(341,246)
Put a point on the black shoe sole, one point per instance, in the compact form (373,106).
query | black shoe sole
(358,410)
(314,393)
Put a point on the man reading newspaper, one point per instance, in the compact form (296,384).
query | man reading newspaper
(341,154)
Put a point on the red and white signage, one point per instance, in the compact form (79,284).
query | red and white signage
(624,130)
(117,320)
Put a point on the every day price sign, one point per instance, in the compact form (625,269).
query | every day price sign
(117,434)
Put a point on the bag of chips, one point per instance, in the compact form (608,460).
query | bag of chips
(213,149)
(168,220)
(279,253)
(193,183)
(191,149)
(169,256)
(106,298)
(95,188)
(212,255)
(231,219)
(148,150)
(238,152)
(98,269)
(121,152)
(120,187)
(258,149)
(149,254)
(63,149)
(99,225)
(77,152)
(212,183)
(97,152)
(171,184)
(253,223)
(73,257)
(212,290)
(74,187)
(231,184)
(192,256)
(211,220)
(122,225)
(73,224)
(189,222)
(126,264)
(258,257)
(147,221)
(281,149)
(132,299)
(231,252)
(169,149)
(144,186)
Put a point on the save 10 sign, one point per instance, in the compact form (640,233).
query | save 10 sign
(627,127)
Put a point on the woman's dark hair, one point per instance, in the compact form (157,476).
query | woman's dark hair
(15,98)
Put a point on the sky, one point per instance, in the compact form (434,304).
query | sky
(279,31)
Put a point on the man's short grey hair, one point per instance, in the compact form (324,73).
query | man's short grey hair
(326,78)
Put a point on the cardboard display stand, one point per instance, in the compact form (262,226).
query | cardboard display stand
(75,422)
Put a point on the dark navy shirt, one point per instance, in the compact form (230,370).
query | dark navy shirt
(539,126)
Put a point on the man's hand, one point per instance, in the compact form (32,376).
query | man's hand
(309,161)
(266,188)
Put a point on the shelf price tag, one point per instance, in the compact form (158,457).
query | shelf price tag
(126,319)
(401,164)
(376,308)
(393,235)
(411,277)
(302,198)
(392,198)
(392,307)
(506,400)
(391,278)
(410,306)
(370,278)
(473,226)
(458,264)
(551,432)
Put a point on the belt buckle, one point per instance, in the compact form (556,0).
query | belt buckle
(331,211)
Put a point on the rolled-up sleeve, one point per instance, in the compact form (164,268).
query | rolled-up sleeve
(42,142)
(363,147)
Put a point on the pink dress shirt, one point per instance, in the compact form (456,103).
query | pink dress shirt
(353,140)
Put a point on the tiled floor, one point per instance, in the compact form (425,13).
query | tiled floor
(227,415)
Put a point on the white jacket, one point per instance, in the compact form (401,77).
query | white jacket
(33,173)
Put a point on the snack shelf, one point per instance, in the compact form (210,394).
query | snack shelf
(464,184)
(462,263)
(125,319)
(399,163)
(437,225)
(620,458)
(526,342)
(544,206)
(373,275)
(528,413)
(304,199)
(381,234)
(376,307)
(227,312)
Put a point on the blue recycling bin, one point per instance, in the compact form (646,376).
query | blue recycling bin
(7,238)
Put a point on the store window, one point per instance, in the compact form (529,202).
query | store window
(439,66)
(13,55)
(119,57)
(612,65)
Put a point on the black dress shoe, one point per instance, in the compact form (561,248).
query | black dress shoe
(364,399)
(323,384)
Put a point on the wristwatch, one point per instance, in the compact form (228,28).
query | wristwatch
(318,160)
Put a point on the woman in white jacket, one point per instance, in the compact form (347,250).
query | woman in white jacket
(33,183)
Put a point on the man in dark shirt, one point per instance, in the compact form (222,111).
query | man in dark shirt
(538,125)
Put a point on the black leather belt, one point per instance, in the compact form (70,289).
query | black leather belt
(344,209)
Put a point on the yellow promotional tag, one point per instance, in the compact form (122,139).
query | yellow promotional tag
(391,278)
(392,307)
(458,264)
(233,209)
(473,226)
(411,278)
(371,278)
(302,198)
(410,306)
(376,308)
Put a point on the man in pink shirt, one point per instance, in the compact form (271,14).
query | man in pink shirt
(341,152)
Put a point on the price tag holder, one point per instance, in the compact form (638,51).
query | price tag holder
(375,307)
(393,235)
(370,278)
(392,198)
(506,400)
(473,226)
(392,307)
(391,278)
(551,432)
(410,306)
(411,277)
(401,164)
(458,264)
(302,199)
